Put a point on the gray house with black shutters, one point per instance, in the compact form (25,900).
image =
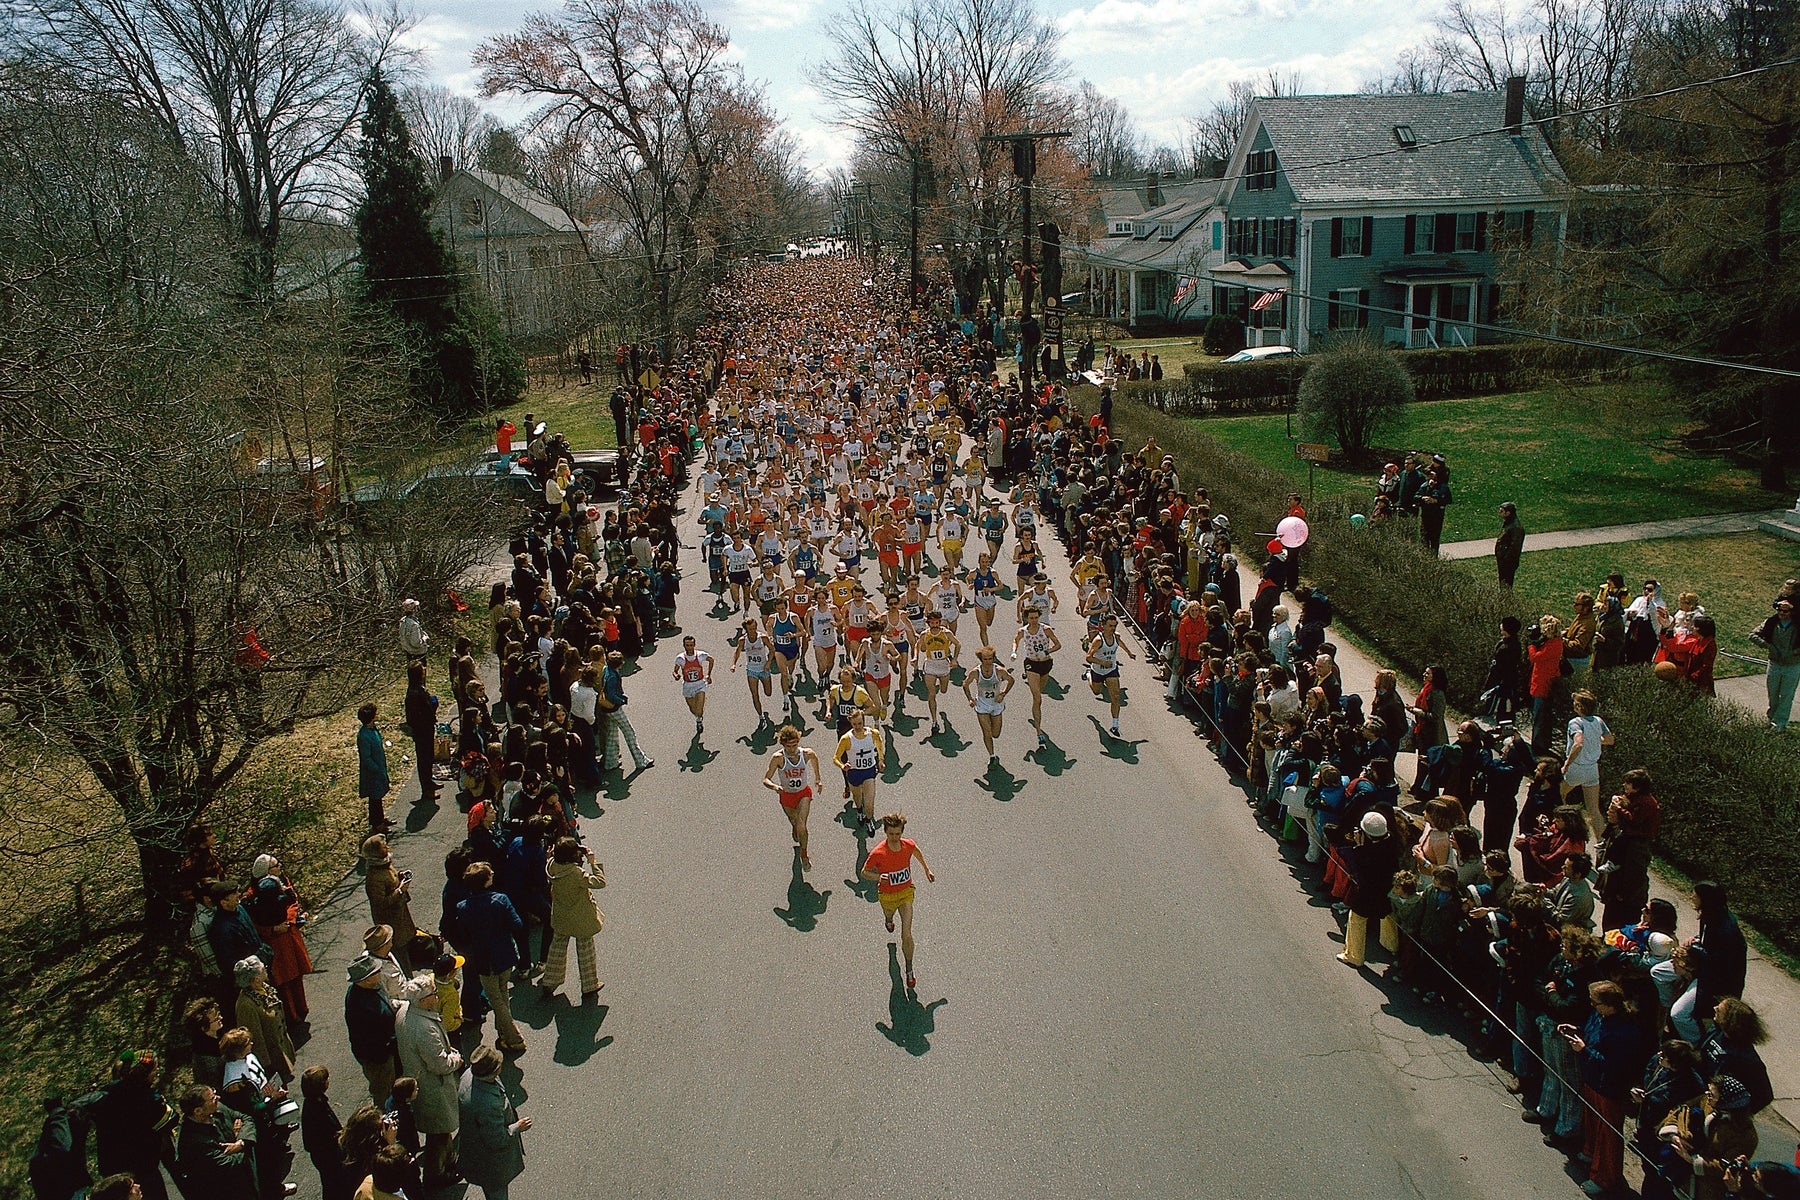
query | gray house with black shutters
(1391,213)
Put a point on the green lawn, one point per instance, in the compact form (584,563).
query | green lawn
(579,412)
(1173,352)
(1570,457)
(1735,576)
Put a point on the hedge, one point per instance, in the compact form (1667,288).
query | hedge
(1730,787)
(1269,385)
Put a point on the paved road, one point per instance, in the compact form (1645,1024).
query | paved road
(1122,989)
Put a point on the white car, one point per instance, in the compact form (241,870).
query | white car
(1257,353)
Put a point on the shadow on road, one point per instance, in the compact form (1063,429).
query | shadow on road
(909,1021)
(1114,747)
(949,743)
(1050,759)
(762,738)
(1002,784)
(806,904)
(577,1033)
(697,757)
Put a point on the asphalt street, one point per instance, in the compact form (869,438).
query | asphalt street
(1124,990)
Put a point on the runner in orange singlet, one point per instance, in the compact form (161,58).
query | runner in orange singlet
(890,866)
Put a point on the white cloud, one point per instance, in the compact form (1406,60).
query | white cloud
(764,15)
(1133,25)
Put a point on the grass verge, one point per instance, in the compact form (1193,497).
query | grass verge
(1571,457)
(1735,575)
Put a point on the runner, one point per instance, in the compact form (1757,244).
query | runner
(1039,642)
(756,651)
(901,632)
(874,659)
(784,633)
(860,752)
(936,654)
(1040,594)
(889,865)
(694,668)
(953,530)
(986,687)
(786,777)
(1103,663)
(739,558)
(842,699)
(946,597)
(825,626)
(985,585)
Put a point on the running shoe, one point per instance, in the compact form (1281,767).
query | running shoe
(1115,729)
(890,922)
(912,981)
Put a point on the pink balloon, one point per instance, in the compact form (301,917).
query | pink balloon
(1292,531)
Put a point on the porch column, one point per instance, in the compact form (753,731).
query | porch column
(1131,290)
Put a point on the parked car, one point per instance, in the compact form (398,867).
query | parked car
(517,491)
(597,469)
(1258,353)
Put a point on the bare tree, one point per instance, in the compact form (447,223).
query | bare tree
(262,95)
(645,90)
(1105,141)
(1214,134)
(170,598)
(445,125)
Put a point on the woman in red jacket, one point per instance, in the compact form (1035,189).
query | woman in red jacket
(1544,646)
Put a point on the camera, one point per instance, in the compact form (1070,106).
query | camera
(1534,634)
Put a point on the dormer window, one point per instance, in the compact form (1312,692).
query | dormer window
(1407,139)
(1119,228)
(1166,231)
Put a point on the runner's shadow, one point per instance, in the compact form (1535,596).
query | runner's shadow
(1050,759)
(894,772)
(910,1021)
(1122,749)
(697,756)
(949,743)
(1003,784)
(577,1030)
(761,738)
(1054,689)
(906,724)
(856,883)
(806,904)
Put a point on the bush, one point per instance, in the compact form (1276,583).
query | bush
(1266,385)
(1730,788)
(1222,336)
(1352,391)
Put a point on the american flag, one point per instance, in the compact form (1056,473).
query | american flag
(1267,298)
(1186,286)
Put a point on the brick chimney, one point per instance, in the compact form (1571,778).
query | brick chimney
(446,167)
(1515,104)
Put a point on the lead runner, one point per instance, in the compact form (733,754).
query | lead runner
(786,777)
(890,866)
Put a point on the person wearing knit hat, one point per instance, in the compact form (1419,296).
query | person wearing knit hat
(1371,859)
(265,864)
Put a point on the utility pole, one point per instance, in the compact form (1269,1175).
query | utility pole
(1024,152)
(912,278)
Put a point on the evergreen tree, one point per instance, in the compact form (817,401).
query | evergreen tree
(461,360)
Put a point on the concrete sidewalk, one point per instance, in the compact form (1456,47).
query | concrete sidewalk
(1605,535)
(1772,991)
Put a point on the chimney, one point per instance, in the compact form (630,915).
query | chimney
(447,166)
(1152,192)
(1515,104)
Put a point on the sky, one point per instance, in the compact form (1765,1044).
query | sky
(1165,60)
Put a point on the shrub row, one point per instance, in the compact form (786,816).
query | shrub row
(1218,389)
(1729,786)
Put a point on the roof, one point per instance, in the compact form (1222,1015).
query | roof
(1328,130)
(534,202)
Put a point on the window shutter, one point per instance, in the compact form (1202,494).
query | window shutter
(1337,237)
(1362,313)
(1368,236)
(1412,229)
(1217,236)
(1445,240)
(1480,231)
